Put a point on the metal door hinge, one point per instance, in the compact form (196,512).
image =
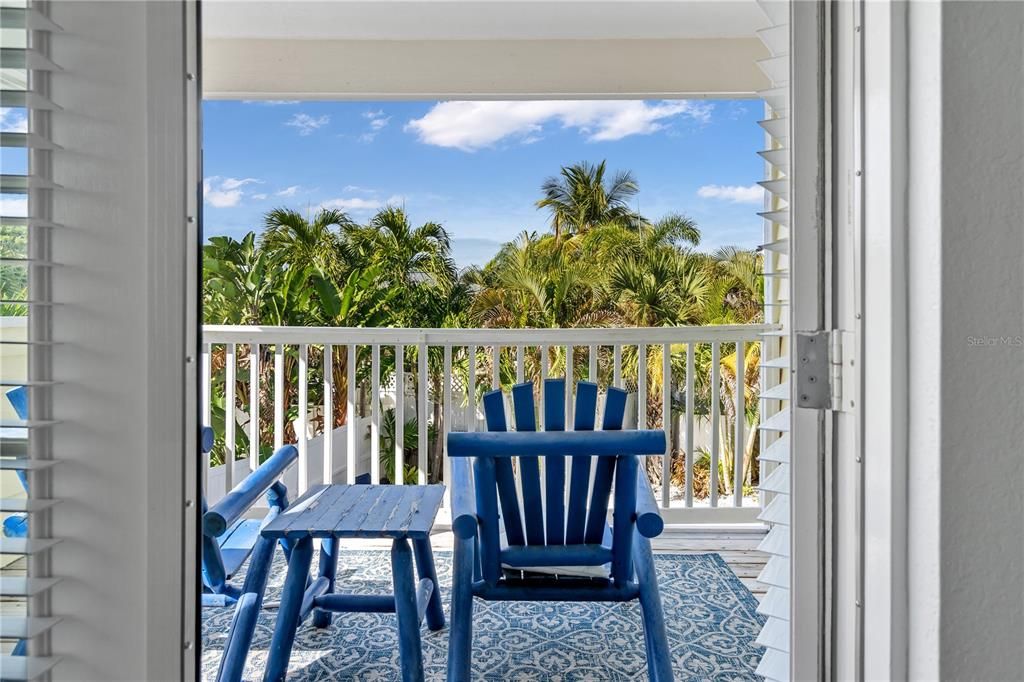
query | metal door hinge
(820,360)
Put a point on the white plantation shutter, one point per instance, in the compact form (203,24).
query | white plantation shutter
(775,393)
(25,363)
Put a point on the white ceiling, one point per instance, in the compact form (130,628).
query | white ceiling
(481,19)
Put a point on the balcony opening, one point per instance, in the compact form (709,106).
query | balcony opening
(385,245)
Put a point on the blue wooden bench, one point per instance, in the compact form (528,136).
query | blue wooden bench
(550,551)
(229,539)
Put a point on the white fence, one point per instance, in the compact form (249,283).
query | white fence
(352,374)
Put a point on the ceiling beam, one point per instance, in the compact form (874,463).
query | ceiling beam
(251,68)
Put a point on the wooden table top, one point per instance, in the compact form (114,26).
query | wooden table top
(360,511)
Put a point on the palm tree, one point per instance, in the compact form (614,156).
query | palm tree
(579,199)
(663,288)
(416,262)
(540,282)
(293,240)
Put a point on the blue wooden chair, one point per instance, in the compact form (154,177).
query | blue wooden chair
(16,525)
(229,539)
(560,553)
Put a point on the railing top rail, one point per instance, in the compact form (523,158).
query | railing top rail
(604,336)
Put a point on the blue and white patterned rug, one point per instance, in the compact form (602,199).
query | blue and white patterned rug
(711,618)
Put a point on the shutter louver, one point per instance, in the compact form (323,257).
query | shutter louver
(775,386)
(26,462)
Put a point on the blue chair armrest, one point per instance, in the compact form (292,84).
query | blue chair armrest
(464,519)
(231,507)
(648,519)
(206,439)
(564,443)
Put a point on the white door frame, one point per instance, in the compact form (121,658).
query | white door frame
(808,632)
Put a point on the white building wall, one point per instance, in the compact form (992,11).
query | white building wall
(981,307)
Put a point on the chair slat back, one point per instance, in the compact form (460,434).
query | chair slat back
(529,467)
(579,480)
(545,518)
(494,411)
(614,410)
(554,466)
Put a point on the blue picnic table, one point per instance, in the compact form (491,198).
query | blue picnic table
(403,513)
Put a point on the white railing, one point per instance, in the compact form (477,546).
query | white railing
(274,370)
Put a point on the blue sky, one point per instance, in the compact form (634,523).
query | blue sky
(476,167)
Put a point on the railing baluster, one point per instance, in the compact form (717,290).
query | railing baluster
(543,359)
(254,405)
(592,369)
(207,385)
(278,396)
(421,413)
(446,419)
(716,398)
(399,472)
(570,385)
(666,422)
(520,363)
(641,386)
(300,427)
(351,418)
(741,419)
(495,366)
(229,417)
(375,414)
(617,366)
(328,437)
(691,450)
(471,389)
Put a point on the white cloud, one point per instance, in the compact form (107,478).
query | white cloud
(306,124)
(271,102)
(235,183)
(360,204)
(352,204)
(15,207)
(378,121)
(737,194)
(259,197)
(289,191)
(474,125)
(222,192)
(357,188)
(13,121)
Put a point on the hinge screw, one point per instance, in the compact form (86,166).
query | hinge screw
(804,397)
(191,219)
(188,359)
(190,76)
(859,174)
(188,504)
(188,646)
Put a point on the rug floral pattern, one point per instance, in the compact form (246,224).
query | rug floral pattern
(711,620)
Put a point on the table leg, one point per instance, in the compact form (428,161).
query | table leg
(405,607)
(329,570)
(288,613)
(425,567)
